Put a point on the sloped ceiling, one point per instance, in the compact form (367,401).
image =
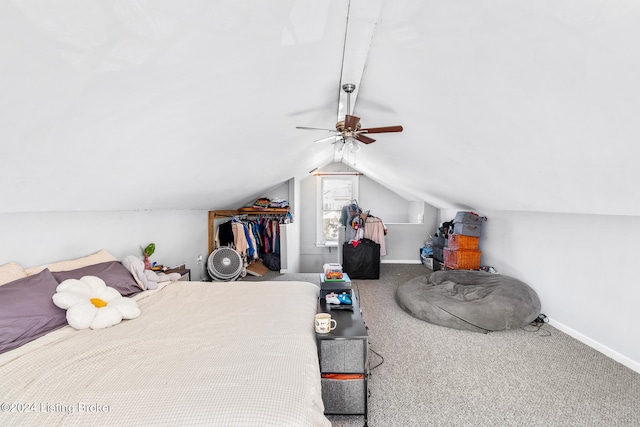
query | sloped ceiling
(177,104)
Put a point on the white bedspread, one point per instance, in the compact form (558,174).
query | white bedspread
(215,354)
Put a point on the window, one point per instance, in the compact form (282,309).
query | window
(333,194)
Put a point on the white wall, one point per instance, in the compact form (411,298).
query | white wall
(383,203)
(292,246)
(39,238)
(403,241)
(583,267)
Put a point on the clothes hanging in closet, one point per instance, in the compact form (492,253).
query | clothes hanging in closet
(252,238)
(269,229)
(239,237)
(374,229)
(225,235)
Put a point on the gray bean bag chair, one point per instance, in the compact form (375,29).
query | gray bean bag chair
(470,300)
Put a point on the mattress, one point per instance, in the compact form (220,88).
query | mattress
(216,354)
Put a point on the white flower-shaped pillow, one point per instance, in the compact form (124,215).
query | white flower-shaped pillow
(90,303)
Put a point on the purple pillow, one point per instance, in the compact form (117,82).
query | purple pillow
(27,310)
(113,273)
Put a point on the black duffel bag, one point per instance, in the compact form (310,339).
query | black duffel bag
(361,261)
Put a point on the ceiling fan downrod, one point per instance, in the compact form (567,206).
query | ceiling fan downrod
(349,88)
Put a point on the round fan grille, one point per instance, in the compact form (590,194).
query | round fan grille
(224,264)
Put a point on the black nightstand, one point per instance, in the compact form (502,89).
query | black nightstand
(344,351)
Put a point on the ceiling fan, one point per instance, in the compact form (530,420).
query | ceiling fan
(351,127)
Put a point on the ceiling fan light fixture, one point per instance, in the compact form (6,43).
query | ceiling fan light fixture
(354,147)
(338,150)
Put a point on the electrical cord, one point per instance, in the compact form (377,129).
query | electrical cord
(203,277)
(377,354)
(357,289)
(537,326)
(355,285)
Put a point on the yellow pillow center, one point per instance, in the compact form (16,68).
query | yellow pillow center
(98,302)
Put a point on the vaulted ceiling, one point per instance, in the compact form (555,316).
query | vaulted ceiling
(178,104)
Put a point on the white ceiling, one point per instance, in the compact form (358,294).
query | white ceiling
(176,104)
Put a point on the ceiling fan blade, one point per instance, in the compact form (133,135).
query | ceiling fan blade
(328,138)
(351,122)
(383,129)
(308,128)
(364,139)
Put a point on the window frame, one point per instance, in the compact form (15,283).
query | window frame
(320,210)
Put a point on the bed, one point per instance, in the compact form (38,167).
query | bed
(200,353)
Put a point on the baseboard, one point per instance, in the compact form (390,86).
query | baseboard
(400,261)
(629,363)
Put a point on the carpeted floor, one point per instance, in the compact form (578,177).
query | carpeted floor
(436,376)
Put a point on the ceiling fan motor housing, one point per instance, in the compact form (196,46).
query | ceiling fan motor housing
(340,126)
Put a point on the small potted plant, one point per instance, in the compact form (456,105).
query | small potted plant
(147,252)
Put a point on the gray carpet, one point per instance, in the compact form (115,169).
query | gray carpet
(437,376)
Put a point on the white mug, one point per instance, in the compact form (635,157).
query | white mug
(324,323)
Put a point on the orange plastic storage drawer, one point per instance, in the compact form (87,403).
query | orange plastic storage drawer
(462,259)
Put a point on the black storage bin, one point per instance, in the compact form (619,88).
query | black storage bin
(361,261)
(343,396)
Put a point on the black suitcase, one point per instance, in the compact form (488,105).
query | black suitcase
(361,261)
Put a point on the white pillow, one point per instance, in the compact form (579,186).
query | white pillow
(11,271)
(90,303)
(73,264)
